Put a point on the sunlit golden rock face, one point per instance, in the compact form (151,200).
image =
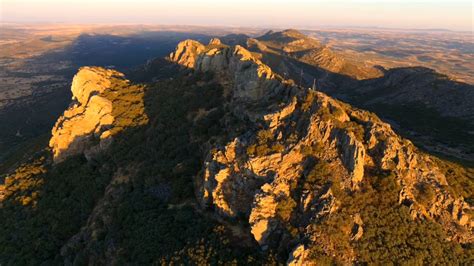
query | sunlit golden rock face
(251,78)
(2,192)
(185,53)
(259,175)
(215,41)
(300,256)
(104,103)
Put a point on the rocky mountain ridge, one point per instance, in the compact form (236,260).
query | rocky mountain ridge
(413,99)
(292,44)
(356,145)
(281,168)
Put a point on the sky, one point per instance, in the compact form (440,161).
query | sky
(413,14)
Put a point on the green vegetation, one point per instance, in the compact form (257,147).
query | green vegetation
(23,151)
(424,193)
(460,179)
(156,233)
(285,208)
(390,234)
(168,151)
(265,144)
(44,208)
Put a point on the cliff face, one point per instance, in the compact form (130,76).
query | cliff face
(264,175)
(104,102)
(186,52)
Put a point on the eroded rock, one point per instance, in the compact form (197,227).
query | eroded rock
(104,103)
(186,52)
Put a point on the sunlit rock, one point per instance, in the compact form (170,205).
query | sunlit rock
(104,103)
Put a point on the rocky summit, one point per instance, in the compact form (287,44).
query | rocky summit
(93,117)
(261,173)
(228,161)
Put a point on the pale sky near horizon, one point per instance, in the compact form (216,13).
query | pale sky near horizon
(421,14)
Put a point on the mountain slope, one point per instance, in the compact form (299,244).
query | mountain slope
(295,45)
(228,162)
(414,100)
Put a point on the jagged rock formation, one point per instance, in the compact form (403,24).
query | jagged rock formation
(104,103)
(407,96)
(284,52)
(215,41)
(186,52)
(412,93)
(257,174)
(251,78)
(300,256)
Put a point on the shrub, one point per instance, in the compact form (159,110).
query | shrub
(285,208)
(424,193)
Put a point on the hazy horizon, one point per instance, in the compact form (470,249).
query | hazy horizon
(402,14)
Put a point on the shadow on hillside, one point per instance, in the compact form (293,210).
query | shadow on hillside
(29,120)
(158,161)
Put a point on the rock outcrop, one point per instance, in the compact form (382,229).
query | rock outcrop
(251,79)
(186,52)
(299,257)
(215,41)
(259,175)
(104,103)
